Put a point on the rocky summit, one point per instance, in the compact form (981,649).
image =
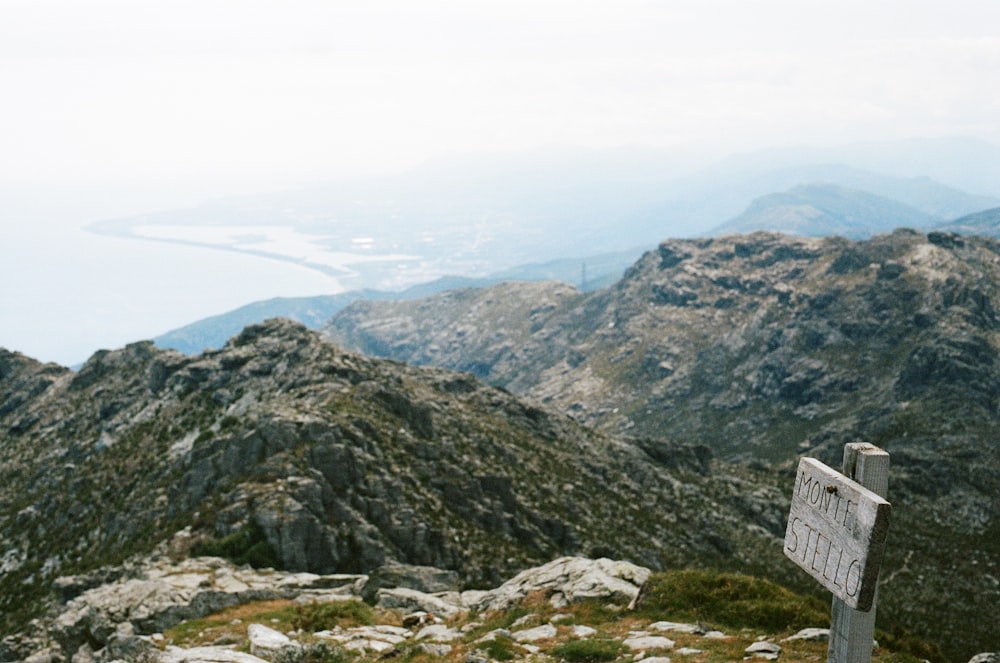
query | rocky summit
(281,450)
(763,347)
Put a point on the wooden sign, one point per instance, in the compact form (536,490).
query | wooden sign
(836,532)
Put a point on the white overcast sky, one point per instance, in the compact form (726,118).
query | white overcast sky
(117,107)
(278,92)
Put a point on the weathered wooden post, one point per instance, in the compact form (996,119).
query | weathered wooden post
(837,527)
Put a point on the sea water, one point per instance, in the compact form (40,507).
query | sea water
(66,292)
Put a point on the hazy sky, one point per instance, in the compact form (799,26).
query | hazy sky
(117,107)
(278,92)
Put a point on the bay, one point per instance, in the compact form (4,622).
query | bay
(65,292)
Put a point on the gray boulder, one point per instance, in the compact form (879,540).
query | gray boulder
(125,645)
(543,632)
(48,655)
(570,580)
(411,600)
(438,633)
(644,642)
(160,594)
(763,649)
(206,655)
(266,642)
(810,635)
(425,579)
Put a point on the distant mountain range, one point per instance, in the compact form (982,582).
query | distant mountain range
(986,222)
(473,216)
(819,210)
(809,210)
(477,220)
(211,333)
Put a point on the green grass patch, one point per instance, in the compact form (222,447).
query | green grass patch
(592,612)
(589,651)
(497,620)
(193,631)
(325,616)
(232,623)
(729,600)
(909,647)
(500,649)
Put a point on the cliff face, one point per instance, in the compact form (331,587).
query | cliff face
(281,449)
(763,347)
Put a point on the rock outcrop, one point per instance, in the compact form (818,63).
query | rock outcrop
(986,657)
(569,580)
(152,594)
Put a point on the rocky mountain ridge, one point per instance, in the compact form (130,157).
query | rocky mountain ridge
(821,210)
(591,272)
(809,326)
(283,450)
(986,222)
(763,347)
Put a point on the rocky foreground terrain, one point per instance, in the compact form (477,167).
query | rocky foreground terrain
(573,609)
(763,347)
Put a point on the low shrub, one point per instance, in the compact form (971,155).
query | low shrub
(589,651)
(325,616)
(499,649)
(729,600)
(317,652)
(247,546)
(916,648)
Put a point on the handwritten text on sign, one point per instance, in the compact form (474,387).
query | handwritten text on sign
(836,532)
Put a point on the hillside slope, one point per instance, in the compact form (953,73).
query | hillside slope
(986,222)
(762,347)
(820,210)
(314,312)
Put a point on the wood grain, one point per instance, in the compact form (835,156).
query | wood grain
(836,532)
(852,632)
